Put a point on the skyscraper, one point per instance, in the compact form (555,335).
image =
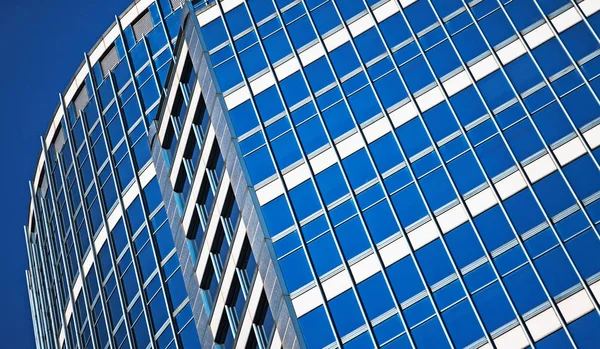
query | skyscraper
(103,271)
(402,173)
(330,173)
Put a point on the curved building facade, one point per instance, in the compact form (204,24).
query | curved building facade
(325,174)
(408,173)
(103,272)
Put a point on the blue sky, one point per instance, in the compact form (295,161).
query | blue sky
(42,46)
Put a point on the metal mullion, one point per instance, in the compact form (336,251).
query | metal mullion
(33,305)
(151,234)
(134,260)
(460,198)
(576,130)
(519,239)
(46,221)
(559,169)
(91,234)
(31,289)
(35,294)
(164,24)
(387,197)
(520,167)
(73,229)
(45,286)
(325,211)
(42,222)
(583,17)
(373,246)
(279,175)
(118,284)
(59,230)
(133,78)
(36,255)
(554,94)
(154,74)
(411,171)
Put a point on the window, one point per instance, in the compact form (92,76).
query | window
(188,78)
(195,235)
(215,166)
(264,324)
(231,213)
(316,329)
(246,265)
(225,336)
(220,251)
(205,201)
(235,303)
(209,286)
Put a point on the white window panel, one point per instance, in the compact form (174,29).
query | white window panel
(365,268)
(566,20)
(361,25)
(543,324)
(269,192)
(403,114)
(238,97)
(377,130)
(337,284)
(540,168)
(569,151)
(481,201)
(386,10)
(423,235)
(510,185)
(484,68)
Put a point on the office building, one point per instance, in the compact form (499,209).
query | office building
(103,271)
(326,174)
(403,173)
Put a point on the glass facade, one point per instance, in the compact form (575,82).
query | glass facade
(325,174)
(103,271)
(425,172)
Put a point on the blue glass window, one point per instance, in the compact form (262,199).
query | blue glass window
(338,120)
(304,200)
(494,228)
(286,150)
(325,17)
(556,271)
(358,168)
(319,74)
(324,254)
(352,238)
(295,269)
(294,89)
(430,335)
(316,329)
(344,60)
(462,324)
(259,165)
(331,184)
(464,245)
(437,189)
(346,313)
(277,215)
(408,205)
(386,153)
(216,33)
(312,135)
(524,289)
(413,137)
(405,279)
(380,221)
(493,307)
